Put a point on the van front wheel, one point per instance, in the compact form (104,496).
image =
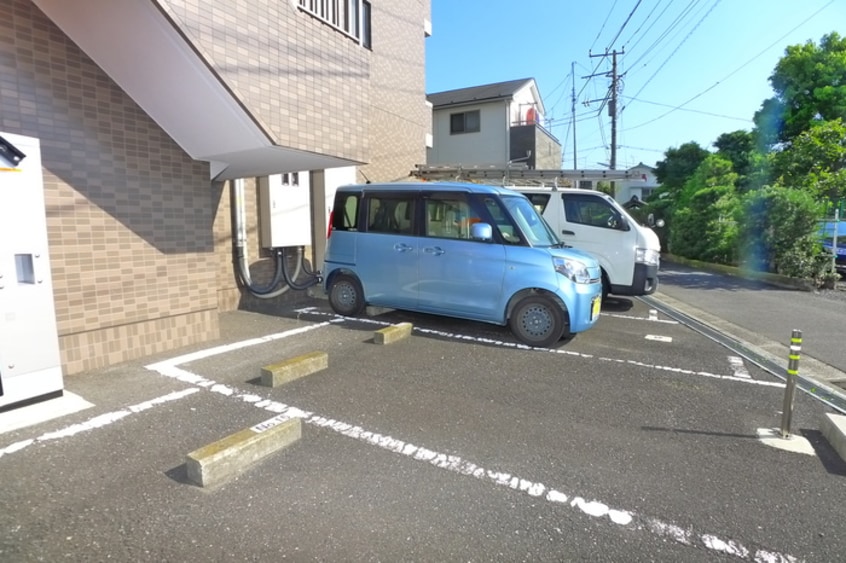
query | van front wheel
(346,296)
(537,321)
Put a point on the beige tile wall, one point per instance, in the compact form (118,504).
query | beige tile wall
(140,242)
(399,116)
(129,214)
(305,83)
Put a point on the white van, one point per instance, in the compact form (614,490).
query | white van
(629,253)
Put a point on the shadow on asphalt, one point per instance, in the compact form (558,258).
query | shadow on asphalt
(699,432)
(612,304)
(690,278)
(827,455)
(179,474)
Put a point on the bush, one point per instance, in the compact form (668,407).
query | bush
(777,231)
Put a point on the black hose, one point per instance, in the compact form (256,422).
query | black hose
(278,276)
(313,280)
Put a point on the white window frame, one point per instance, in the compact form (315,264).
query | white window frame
(350,17)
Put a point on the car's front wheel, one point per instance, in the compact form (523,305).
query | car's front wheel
(346,296)
(537,321)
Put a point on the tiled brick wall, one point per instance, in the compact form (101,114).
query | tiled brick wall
(140,242)
(304,82)
(399,115)
(129,214)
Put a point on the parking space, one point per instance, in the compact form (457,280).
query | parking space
(635,440)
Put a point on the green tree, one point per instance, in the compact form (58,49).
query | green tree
(810,86)
(777,232)
(740,147)
(678,165)
(704,217)
(816,161)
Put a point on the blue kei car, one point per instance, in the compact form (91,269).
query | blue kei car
(459,250)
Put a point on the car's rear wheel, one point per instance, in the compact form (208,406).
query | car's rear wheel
(346,296)
(537,321)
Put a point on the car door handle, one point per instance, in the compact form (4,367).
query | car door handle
(400,247)
(567,233)
(436,250)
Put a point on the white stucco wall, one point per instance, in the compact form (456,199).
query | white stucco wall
(643,179)
(487,146)
(523,100)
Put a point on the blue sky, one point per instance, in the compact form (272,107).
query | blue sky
(711,57)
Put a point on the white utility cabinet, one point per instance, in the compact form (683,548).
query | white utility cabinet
(30,364)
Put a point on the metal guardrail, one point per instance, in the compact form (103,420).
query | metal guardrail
(828,395)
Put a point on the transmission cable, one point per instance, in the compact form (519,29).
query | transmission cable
(622,27)
(601,29)
(648,16)
(669,29)
(735,71)
(676,50)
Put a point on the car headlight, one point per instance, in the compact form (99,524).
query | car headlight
(572,269)
(646,256)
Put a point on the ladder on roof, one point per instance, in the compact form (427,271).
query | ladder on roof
(505,176)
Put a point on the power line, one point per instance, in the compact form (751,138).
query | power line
(648,16)
(735,71)
(622,27)
(669,29)
(689,110)
(601,29)
(554,105)
(676,50)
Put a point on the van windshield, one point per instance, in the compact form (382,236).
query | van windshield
(534,228)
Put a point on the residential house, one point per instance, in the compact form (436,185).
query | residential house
(150,113)
(497,125)
(639,186)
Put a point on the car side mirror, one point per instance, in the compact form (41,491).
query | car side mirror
(481,231)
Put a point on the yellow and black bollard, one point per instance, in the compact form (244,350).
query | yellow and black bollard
(790,387)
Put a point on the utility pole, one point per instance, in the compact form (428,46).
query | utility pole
(612,110)
(611,99)
(573,109)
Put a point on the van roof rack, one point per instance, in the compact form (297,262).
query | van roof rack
(504,176)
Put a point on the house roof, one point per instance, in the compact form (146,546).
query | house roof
(642,165)
(485,93)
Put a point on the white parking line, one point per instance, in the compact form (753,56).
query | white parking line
(650,319)
(739,368)
(456,464)
(658,338)
(502,343)
(98,421)
(452,463)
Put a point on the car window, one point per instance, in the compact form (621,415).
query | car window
(539,201)
(502,222)
(390,213)
(345,214)
(450,216)
(532,225)
(593,211)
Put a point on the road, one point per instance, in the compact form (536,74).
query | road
(639,440)
(768,311)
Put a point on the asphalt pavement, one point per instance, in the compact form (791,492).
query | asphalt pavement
(764,316)
(638,440)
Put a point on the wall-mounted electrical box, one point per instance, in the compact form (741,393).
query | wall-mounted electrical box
(30,363)
(284,210)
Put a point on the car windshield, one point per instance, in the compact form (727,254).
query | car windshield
(535,229)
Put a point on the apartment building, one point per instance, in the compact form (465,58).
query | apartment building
(149,114)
